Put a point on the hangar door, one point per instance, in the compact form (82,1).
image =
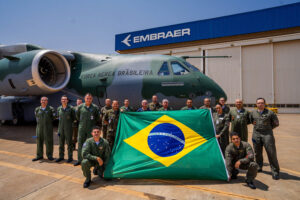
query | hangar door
(257,73)
(287,72)
(225,71)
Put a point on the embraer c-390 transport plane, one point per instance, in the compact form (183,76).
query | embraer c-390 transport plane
(28,71)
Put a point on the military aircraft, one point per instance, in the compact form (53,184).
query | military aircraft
(27,72)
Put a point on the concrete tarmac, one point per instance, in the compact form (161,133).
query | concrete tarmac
(20,178)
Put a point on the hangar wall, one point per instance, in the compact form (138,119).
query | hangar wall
(264,67)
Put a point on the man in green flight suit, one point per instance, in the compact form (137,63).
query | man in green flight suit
(165,105)
(264,122)
(154,105)
(95,153)
(44,129)
(126,107)
(111,119)
(103,110)
(221,121)
(240,118)
(189,105)
(88,116)
(66,117)
(239,155)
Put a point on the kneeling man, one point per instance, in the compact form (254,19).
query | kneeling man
(239,155)
(95,153)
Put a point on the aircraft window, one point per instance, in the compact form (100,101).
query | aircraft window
(164,70)
(192,67)
(178,69)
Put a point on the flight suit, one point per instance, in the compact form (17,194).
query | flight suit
(222,128)
(90,151)
(154,106)
(88,118)
(75,128)
(44,130)
(163,109)
(239,121)
(112,117)
(103,110)
(245,155)
(126,109)
(263,136)
(187,108)
(212,110)
(66,118)
(225,109)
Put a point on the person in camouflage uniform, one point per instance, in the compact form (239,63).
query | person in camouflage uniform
(75,124)
(221,121)
(154,105)
(189,105)
(240,118)
(165,105)
(126,107)
(66,117)
(44,115)
(239,155)
(207,105)
(95,153)
(264,122)
(88,116)
(103,110)
(111,119)
(225,108)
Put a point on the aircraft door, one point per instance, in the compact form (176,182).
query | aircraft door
(101,91)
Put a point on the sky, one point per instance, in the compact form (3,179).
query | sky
(91,25)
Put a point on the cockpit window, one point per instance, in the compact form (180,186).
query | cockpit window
(191,67)
(164,70)
(178,69)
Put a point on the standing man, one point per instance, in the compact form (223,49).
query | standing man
(44,115)
(264,122)
(103,110)
(111,119)
(154,105)
(165,105)
(189,105)
(239,155)
(144,106)
(126,107)
(207,104)
(221,121)
(95,153)
(66,117)
(88,116)
(75,124)
(240,118)
(225,108)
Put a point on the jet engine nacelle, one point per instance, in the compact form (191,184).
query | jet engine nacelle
(37,72)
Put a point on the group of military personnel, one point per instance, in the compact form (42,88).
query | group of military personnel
(85,123)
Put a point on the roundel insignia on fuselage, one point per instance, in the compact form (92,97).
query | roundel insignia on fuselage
(166,140)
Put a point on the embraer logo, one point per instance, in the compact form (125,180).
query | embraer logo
(157,36)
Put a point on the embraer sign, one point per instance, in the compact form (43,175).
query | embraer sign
(156,36)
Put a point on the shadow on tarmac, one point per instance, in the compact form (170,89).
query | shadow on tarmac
(284,176)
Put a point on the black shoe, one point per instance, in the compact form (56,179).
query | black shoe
(77,163)
(86,184)
(59,159)
(37,158)
(69,160)
(50,158)
(234,176)
(250,184)
(259,170)
(275,176)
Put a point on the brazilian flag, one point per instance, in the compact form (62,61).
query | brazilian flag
(166,145)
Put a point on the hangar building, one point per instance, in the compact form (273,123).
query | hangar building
(264,46)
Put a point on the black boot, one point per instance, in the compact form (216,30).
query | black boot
(250,184)
(86,183)
(77,163)
(37,158)
(69,160)
(59,159)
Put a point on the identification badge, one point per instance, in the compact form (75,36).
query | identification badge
(238,116)
(217,122)
(101,148)
(92,117)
